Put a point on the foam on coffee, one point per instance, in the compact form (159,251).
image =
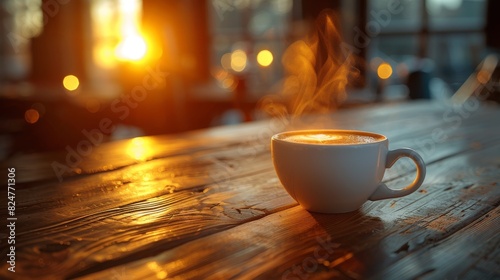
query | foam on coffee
(333,138)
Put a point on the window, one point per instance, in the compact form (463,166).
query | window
(447,32)
(21,21)
(248,40)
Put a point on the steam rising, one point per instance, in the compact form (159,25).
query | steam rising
(317,72)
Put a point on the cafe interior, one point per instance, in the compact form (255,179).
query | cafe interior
(150,139)
(134,68)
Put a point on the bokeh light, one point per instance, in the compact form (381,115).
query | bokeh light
(225,79)
(31,116)
(229,83)
(238,60)
(384,71)
(265,58)
(71,82)
(131,48)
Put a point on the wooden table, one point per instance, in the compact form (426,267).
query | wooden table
(208,205)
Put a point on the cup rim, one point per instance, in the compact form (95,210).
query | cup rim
(276,137)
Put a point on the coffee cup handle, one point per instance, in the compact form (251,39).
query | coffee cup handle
(384,192)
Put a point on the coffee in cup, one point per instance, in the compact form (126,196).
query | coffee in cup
(330,138)
(336,171)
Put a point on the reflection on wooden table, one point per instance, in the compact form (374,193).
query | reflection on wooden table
(208,205)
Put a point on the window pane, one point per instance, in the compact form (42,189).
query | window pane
(400,52)
(456,14)
(240,30)
(456,56)
(227,17)
(394,46)
(393,15)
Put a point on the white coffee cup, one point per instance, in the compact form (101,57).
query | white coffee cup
(336,171)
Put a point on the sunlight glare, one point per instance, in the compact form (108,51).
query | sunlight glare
(140,148)
(131,48)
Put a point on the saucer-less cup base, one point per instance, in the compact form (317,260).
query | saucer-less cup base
(331,178)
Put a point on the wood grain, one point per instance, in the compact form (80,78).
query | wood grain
(272,246)
(207,204)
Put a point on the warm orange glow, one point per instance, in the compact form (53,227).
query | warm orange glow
(238,60)
(153,265)
(129,6)
(140,148)
(318,138)
(220,74)
(265,58)
(483,76)
(71,82)
(306,88)
(229,83)
(104,55)
(116,32)
(225,80)
(341,259)
(384,71)
(31,116)
(132,48)
(154,51)
(161,274)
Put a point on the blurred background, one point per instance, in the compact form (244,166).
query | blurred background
(129,68)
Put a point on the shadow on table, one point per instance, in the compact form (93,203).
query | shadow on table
(351,235)
(350,226)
